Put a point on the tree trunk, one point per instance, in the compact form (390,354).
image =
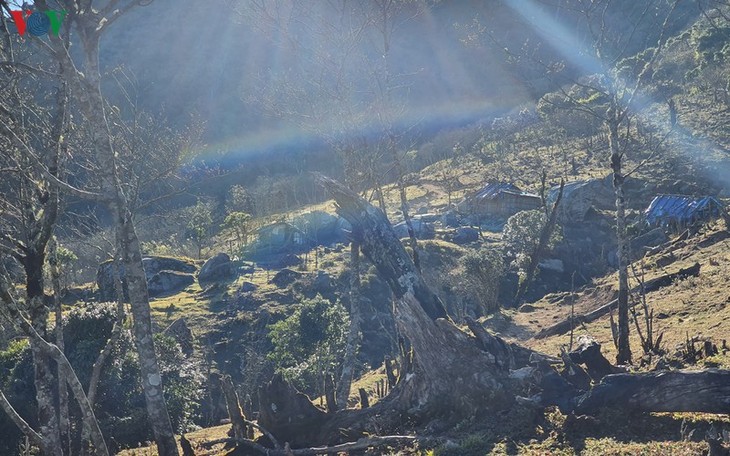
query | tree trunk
(545,234)
(705,391)
(63,414)
(624,350)
(87,90)
(44,378)
(65,369)
(450,367)
(353,336)
(240,431)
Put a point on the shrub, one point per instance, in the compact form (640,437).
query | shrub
(477,277)
(522,233)
(310,343)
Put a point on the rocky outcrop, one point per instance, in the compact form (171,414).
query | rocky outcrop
(285,277)
(168,282)
(152,266)
(465,235)
(216,269)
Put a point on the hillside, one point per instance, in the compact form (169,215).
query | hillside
(357,221)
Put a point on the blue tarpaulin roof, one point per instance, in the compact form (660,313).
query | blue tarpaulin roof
(681,209)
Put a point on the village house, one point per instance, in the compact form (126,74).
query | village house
(498,200)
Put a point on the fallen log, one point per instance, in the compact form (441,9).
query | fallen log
(705,391)
(564,326)
(361,444)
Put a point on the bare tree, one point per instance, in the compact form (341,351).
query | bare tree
(80,74)
(612,93)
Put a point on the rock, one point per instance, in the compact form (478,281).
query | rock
(286,261)
(168,282)
(246,269)
(450,219)
(180,331)
(421,228)
(527,308)
(216,269)
(247,287)
(653,238)
(152,266)
(553,264)
(285,277)
(322,283)
(465,235)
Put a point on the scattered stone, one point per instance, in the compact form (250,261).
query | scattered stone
(322,283)
(465,235)
(247,287)
(287,261)
(216,269)
(246,269)
(168,282)
(527,308)
(450,219)
(552,265)
(285,277)
(105,275)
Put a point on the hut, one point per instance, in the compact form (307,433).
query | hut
(500,200)
(677,212)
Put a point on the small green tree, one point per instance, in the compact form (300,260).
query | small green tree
(238,225)
(477,278)
(309,345)
(522,233)
(200,221)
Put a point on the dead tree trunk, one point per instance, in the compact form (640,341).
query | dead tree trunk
(449,366)
(613,120)
(353,336)
(240,430)
(700,391)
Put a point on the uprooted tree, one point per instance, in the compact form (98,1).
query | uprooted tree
(457,374)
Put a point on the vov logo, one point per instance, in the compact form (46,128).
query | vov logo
(38,23)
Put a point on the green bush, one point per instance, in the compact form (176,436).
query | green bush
(522,233)
(310,343)
(477,277)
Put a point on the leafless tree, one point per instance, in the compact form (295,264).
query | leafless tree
(79,74)
(612,93)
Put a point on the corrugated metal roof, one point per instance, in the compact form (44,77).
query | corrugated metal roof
(489,191)
(680,208)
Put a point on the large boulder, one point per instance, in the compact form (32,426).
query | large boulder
(465,235)
(168,282)
(216,269)
(153,265)
(285,277)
